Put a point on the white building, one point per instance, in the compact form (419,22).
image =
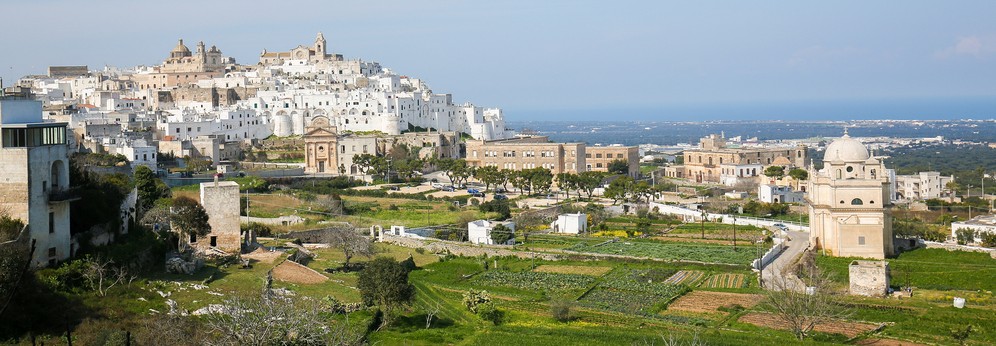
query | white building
(779,194)
(733,174)
(980,224)
(479,232)
(570,223)
(35,170)
(922,186)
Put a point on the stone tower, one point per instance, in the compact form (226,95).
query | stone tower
(221,202)
(849,202)
(320,46)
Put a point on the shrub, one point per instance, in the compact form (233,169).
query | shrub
(965,236)
(989,239)
(561,310)
(474,299)
(489,312)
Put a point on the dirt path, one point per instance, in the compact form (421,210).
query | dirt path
(849,329)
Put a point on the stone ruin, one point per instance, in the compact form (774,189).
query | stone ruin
(869,278)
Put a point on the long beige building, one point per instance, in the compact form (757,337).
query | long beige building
(527,153)
(849,203)
(598,158)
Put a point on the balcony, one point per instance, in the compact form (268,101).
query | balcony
(63,195)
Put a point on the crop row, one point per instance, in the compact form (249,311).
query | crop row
(535,280)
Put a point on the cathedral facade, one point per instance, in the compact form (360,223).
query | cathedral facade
(849,203)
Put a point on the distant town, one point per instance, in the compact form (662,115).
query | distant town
(309,197)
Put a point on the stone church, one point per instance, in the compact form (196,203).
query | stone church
(313,54)
(849,202)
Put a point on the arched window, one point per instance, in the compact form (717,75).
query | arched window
(873,174)
(856,201)
(838,173)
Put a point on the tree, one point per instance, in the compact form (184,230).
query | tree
(365,162)
(150,188)
(504,176)
(345,239)
(619,189)
(567,182)
(102,274)
(776,172)
(540,179)
(618,166)
(489,175)
(384,282)
(499,206)
(15,256)
(588,181)
(500,234)
(800,311)
(182,214)
(799,174)
(520,180)
(455,170)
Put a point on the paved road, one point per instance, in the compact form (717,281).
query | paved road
(776,271)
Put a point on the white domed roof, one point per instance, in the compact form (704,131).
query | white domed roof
(846,149)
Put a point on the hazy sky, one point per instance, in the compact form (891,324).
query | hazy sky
(624,59)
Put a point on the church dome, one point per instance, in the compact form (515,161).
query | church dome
(180,50)
(846,149)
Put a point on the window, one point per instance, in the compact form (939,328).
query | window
(619,156)
(51,222)
(598,156)
(850,169)
(51,252)
(856,201)
(861,240)
(214,241)
(193,238)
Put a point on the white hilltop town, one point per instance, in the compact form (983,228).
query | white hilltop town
(200,97)
(305,187)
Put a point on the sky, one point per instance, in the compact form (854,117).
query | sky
(574,60)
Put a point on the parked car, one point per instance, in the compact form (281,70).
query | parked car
(448,188)
(473,191)
(501,197)
(500,190)
(477,194)
(394,188)
(438,186)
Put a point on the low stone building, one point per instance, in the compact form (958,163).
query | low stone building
(869,278)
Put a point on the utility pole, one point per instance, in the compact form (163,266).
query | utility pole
(702,224)
(734,233)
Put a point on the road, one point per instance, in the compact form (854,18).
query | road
(776,271)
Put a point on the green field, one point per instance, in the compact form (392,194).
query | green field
(672,251)
(935,269)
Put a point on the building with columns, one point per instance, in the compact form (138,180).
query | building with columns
(714,159)
(320,144)
(849,203)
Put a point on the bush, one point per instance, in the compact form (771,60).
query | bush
(474,299)
(965,236)
(561,310)
(498,206)
(989,239)
(489,312)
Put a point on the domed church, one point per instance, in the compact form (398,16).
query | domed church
(849,202)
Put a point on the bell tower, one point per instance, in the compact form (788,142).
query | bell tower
(320,46)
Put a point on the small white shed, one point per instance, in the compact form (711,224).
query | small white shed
(570,223)
(479,232)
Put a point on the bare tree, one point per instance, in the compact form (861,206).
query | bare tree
(803,308)
(345,238)
(102,274)
(430,313)
(169,330)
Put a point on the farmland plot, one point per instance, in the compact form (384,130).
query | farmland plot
(633,291)
(671,251)
(725,280)
(705,301)
(685,277)
(535,281)
(568,269)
